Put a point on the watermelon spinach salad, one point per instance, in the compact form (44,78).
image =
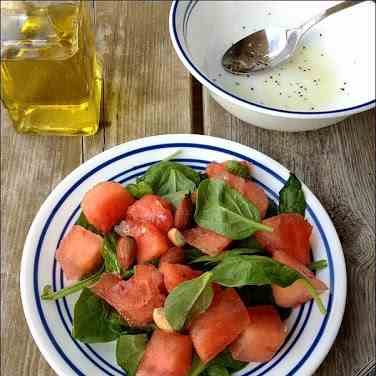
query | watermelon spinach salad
(192,274)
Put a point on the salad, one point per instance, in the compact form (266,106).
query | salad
(191,274)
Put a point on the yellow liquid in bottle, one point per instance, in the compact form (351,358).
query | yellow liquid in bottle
(55,89)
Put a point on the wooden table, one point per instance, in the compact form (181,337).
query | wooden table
(147,91)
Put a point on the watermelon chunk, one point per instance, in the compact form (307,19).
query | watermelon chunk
(174,255)
(151,242)
(152,209)
(217,168)
(295,294)
(291,233)
(167,354)
(183,214)
(126,252)
(106,204)
(220,325)
(262,338)
(206,240)
(136,298)
(79,253)
(174,274)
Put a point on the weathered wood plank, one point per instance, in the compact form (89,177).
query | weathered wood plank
(31,166)
(146,89)
(338,164)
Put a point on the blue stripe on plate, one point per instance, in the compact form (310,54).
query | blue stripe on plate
(141,150)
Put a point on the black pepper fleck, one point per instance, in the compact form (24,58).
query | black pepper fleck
(342,88)
(252,88)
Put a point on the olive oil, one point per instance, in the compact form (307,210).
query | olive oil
(50,79)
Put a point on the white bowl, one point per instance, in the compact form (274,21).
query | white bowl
(310,333)
(340,51)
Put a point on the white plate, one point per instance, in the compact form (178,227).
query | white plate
(311,334)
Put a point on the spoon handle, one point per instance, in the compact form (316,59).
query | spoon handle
(326,13)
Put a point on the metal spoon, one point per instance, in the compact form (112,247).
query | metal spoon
(269,47)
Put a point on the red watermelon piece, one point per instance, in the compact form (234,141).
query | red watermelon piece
(151,242)
(167,354)
(174,255)
(291,233)
(220,325)
(175,274)
(295,294)
(152,209)
(79,253)
(215,168)
(262,338)
(136,298)
(206,240)
(106,204)
(183,214)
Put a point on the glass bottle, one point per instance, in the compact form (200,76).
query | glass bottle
(50,77)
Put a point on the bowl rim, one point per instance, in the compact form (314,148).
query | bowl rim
(236,100)
(340,296)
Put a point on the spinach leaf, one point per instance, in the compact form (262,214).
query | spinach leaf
(175,198)
(181,301)
(91,320)
(236,168)
(312,291)
(225,211)
(223,361)
(191,254)
(241,270)
(129,352)
(83,222)
(111,263)
(261,295)
(140,189)
(318,265)
(238,271)
(154,174)
(49,294)
(202,303)
(291,197)
(217,370)
(232,252)
(250,243)
(172,181)
(272,210)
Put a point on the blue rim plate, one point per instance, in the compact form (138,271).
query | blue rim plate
(310,334)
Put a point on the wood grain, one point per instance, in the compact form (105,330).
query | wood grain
(31,166)
(146,90)
(338,164)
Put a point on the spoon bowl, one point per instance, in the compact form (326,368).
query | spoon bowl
(269,47)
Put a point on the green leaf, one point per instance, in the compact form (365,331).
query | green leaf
(225,211)
(312,291)
(172,181)
(250,243)
(272,210)
(217,370)
(154,174)
(232,252)
(223,361)
(241,270)
(140,189)
(91,319)
(175,198)
(236,168)
(83,222)
(181,301)
(111,263)
(291,197)
(129,352)
(49,294)
(318,265)
(202,303)
(191,254)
